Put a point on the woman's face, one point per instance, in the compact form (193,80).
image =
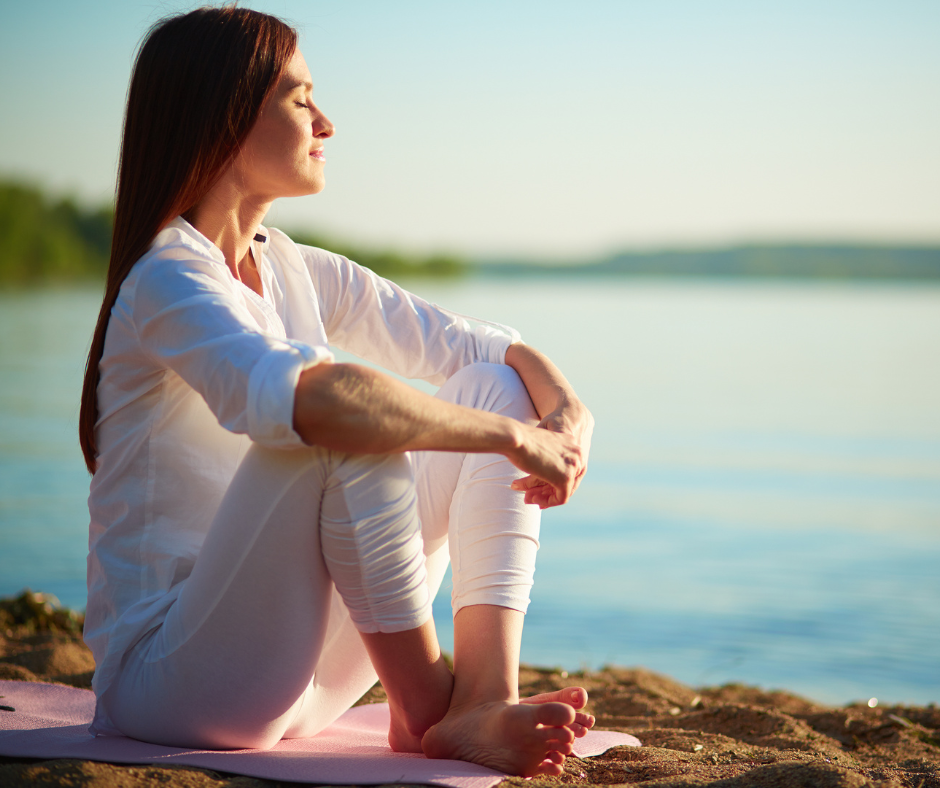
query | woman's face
(283,153)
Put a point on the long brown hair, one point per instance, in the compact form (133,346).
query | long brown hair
(199,82)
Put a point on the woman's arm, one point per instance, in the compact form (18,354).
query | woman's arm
(558,407)
(355,409)
(377,320)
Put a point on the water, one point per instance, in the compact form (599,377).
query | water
(763,501)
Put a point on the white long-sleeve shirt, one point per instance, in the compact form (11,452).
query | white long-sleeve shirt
(196,366)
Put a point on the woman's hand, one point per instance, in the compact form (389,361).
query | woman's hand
(574,419)
(358,410)
(561,413)
(571,425)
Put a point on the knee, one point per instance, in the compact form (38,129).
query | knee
(483,373)
(496,388)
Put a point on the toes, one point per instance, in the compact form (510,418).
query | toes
(552,765)
(552,743)
(555,739)
(576,697)
(545,697)
(582,724)
(549,768)
(554,714)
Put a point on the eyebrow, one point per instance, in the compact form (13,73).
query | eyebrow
(300,84)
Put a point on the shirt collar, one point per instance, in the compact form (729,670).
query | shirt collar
(262,238)
(179,223)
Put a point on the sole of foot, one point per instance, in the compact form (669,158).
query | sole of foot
(524,739)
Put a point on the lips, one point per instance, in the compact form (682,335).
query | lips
(318,154)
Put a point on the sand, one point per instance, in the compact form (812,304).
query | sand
(731,736)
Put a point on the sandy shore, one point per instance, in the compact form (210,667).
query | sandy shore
(731,736)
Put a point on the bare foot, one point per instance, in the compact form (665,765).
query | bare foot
(400,739)
(408,725)
(577,698)
(515,738)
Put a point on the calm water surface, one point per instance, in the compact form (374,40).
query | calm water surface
(763,502)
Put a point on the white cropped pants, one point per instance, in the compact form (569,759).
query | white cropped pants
(258,647)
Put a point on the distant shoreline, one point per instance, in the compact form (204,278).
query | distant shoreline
(752,261)
(43,239)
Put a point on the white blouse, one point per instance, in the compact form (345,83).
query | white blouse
(196,366)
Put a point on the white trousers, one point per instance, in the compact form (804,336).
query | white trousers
(258,647)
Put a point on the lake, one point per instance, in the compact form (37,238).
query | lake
(763,499)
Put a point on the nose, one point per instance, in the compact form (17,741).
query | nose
(323,128)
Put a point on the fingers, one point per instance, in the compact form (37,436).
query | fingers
(538,492)
(554,464)
(543,497)
(526,482)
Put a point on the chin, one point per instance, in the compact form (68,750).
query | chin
(315,185)
(306,189)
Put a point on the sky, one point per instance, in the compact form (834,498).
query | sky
(545,129)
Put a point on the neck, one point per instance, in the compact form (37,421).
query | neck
(230,219)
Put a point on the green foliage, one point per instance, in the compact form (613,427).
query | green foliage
(42,240)
(33,612)
(391,265)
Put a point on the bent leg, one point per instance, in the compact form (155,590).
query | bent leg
(466,504)
(467,508)
(240,655)
(486,723)
(461,497)
(232,667)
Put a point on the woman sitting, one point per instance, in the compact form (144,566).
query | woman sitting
(269,527)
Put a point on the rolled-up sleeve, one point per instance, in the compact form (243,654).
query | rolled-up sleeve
(377,320)
(271,387)
(189,320)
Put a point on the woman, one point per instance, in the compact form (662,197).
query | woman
(240,475)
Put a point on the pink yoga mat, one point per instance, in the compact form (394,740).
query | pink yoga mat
(51,721)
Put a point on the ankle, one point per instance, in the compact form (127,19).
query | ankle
(406,726)
(486,654)
(487,689)
(418,713)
